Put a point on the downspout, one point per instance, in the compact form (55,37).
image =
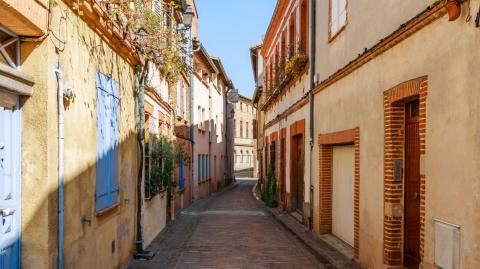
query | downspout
(192,133)
(61,112)
(192,139)
(312,44)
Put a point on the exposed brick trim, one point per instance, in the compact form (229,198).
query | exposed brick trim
(394,143)
(326,143)
(296,128)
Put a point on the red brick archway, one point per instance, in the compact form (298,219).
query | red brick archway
(394,106)
(326,143)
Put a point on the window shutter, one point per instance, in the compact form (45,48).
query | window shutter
(114,110)
(199,168)
(342,17)
(108,99)
(181,181)
(101,194)
(184,100)
(208,166)
(178,98)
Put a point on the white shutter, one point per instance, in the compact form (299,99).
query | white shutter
(342,17)
(338,12)
(184,100)
(178,98)
(157,7)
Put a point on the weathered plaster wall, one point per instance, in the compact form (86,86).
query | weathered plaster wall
(82,54)
(38,176)
(444,51)
(154,217)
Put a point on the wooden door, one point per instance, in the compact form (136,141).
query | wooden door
(283,165)
(298,168)
(412,187)
(10,182)
(343,176)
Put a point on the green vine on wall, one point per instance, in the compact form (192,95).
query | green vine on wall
(269,193)
(154,34)
(162,157)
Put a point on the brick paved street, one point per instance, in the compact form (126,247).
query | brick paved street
(228,230)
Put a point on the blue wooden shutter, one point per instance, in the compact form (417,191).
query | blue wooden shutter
(101,194)
(203,167)
(198,168)
(181,181)
(108,99)
(208,166)
(114,104)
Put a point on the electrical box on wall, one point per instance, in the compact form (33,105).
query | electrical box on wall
(447,245)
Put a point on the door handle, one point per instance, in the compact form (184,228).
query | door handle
(6,212)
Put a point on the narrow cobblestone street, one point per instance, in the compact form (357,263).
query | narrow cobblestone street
(228,230)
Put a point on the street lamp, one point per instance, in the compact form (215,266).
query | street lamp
(188,17)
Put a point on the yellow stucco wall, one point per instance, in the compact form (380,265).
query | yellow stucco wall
(447,53)
(81,53)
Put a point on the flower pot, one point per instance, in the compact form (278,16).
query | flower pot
(454,9)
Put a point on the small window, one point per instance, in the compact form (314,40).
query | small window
(338,17)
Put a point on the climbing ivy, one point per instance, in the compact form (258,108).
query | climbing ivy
(269,193)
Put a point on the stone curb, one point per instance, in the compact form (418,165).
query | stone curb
(322,250)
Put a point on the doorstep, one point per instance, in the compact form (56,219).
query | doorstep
(323,248)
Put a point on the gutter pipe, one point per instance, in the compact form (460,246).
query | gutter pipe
(61,123)
(312,47)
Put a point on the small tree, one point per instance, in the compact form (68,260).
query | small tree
(269,194)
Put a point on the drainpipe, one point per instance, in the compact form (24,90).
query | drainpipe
(61,112)
(192,139)
(312,44)
(192,133)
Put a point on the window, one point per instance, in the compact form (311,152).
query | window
(181,179)
(107,187)
(203,167)
(241,128)
(184,89)
(208,166)
(240,106)
(199,168)
(200,121)
(178,98)
(303,25)
(246,129)
(292,35)
(338,17)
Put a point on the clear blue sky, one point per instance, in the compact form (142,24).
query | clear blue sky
(228,28)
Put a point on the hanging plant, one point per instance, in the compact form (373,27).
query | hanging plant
(296,63)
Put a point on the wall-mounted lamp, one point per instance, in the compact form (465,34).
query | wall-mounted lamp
(188,17)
